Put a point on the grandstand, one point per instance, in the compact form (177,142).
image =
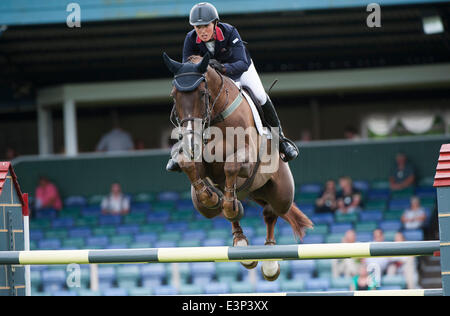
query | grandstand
(59,87)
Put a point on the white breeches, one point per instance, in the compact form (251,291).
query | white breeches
(251,80)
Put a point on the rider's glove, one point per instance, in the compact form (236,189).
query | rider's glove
(216,65)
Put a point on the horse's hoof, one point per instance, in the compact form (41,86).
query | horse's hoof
(239,215)
(246,264)
(268,273)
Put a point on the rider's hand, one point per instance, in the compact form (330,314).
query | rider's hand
(216,65)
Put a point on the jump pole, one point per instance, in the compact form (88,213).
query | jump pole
(442,184)
(222,254)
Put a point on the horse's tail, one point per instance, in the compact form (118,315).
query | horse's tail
(298,221)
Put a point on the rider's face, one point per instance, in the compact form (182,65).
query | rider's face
(205,32)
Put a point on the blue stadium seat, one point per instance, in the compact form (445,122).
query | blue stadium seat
(91,210)
(194,234)
(311,188)
(50,244)
(53,280)
(378,194)
(303,266)
(184,204)
(326,218)
(140,207)
(168,196)
(314,239)
(267,287)
(425,192)
(64,293)
(154,270)
(390,225)
(213,242)
(307,209)
(105,220)
(374,215)
(97,241)
(46,213)
(75,201)
(317,284)
(413,235)
(115,292)
(220,223)
(165,290)
(364,237)
(176,226)
(361,185)
(106,276)
(340,228)
(216,288)
(131,229)
(158,216)
(165,244)
(36,234)
(146,237)
(62,222)
(399,204)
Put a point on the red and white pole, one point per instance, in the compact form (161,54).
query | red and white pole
(26,237)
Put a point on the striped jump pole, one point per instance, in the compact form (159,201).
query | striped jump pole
(442,184)
(222,254)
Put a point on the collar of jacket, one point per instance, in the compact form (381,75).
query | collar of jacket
(217,36)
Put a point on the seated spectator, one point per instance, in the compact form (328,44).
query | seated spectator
(116,140)
(414,217)
(402,174)
(326,203)
(47,195)
(10,153)
(377,263)
(347,267)
(116,203)
(348,199)
(363,281)
(405,266)
(351,133)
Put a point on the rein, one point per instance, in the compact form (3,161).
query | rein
(207,121)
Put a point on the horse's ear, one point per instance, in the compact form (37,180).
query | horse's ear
(203,65)
(173,65)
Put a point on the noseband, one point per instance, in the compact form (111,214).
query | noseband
(206,118)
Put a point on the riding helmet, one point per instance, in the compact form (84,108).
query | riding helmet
(203,13)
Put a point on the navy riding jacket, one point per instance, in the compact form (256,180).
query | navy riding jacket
(229,49)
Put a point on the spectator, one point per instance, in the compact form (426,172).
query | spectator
(348,199)
(327,203)
(414,217)
(377,263)
(402,174)
(305,135)
(47,195)
(116,140)
(347,267)
(140,145)
(405,266)
(363,281)
(116,203)
(351,133)
(10,153)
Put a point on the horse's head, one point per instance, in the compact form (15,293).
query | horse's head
(192,97)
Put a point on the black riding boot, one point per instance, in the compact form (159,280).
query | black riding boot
(172,165)
(287,147)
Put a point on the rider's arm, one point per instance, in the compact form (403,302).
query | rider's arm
(189,48)
(240,64)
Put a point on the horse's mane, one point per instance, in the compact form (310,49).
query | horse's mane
(195,59)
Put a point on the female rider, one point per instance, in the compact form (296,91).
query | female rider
(231,58)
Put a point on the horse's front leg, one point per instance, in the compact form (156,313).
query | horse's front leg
(235,165)
(204,194)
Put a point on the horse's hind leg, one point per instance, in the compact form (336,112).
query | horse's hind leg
(270,269)
(240,240)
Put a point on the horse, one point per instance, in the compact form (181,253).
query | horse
(206,98)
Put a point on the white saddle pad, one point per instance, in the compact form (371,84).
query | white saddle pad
(256,118)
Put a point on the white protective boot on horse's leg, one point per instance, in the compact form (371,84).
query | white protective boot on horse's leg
(240,240)
(270,270)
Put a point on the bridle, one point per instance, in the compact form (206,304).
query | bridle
(206,119)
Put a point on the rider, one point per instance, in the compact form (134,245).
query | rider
(231,58)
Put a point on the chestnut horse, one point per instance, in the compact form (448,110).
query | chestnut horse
(205,97)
